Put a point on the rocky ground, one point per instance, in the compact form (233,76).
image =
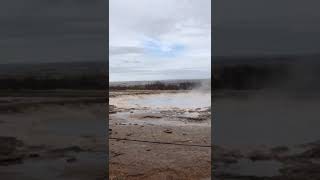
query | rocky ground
(163,143)
(52,137)
(277,163)
(286,124)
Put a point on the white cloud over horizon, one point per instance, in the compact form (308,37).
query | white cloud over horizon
(159,40)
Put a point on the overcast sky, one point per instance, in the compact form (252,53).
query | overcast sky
(159,39)
(266,27)
(53,30)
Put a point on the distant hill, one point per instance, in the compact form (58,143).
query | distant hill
(278,72)
(52,69)
(186,84)
(69,75)
(267,59)
(130,83)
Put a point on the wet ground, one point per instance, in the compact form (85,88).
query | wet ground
(160,135)
(52,137)
(259,135)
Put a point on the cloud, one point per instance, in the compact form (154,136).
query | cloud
(161,49)
(170,39)
(124,50)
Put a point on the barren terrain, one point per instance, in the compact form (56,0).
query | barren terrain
(159,135)
(53,135)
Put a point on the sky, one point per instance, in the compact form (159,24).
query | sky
(155,39)
(36,31)
(265,27)
(159,39)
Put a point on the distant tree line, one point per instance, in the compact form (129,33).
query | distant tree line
(47,83)
(225,76)
(249,76)
(159,86)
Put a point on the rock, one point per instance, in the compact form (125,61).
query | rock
(34,155)
(168,131)
(71,160)
(280,149)
(151,117)
(311,153)
(115,154)
(76,149)
(112,109)
(9,145)
(259,156)
(224,156)
(11,159)
(301,171)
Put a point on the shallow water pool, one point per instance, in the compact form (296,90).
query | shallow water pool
(173,100)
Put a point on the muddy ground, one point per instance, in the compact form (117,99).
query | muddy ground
(149,142)
(276,163)
(266,136)
(53,135)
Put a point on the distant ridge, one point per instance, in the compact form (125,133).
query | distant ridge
(267,59)
(170,81)
(48,69)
